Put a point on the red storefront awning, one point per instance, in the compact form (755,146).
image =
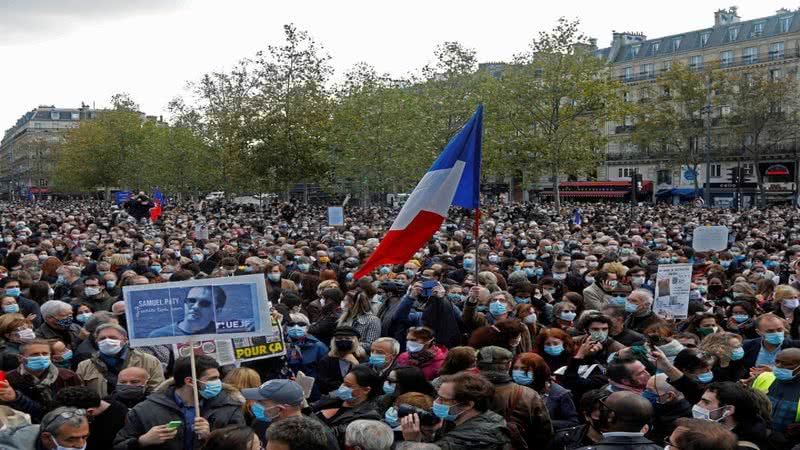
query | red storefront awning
(590,194)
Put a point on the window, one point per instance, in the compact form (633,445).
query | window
(733,33)
(704,38)
(626,96)
(785,23)
(627,73)
(635,50)
(776,50)
(747,169)
(655,46)
(726,58)
(647,70)
(54,115)
(676,44)
(750,55)
(775,74)
(75,116)
(625,172)
(694,143)
(696,62)
(664,176)
(667,66)
(758,29)
(716,170)
(42,182)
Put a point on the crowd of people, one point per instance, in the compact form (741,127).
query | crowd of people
(539,334)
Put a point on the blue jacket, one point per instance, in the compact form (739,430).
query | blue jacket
(752,347)
(303,356)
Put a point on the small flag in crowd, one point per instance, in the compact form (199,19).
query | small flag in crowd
(158,199)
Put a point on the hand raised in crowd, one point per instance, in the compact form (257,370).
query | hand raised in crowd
(410,427)
(415,290)
(7,393)
(157,435)
(201,427)
(588,348)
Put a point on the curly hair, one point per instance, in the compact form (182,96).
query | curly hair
(718,344)
(499,334)
(556,333)
(534,363)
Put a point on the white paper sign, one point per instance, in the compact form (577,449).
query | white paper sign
(335,216)
(673,283)
(710,238)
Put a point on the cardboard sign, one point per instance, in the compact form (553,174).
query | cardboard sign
(710,238)
(335,216)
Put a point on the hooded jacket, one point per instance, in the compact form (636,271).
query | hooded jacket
(486,431)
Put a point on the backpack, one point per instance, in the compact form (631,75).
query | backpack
(516,429)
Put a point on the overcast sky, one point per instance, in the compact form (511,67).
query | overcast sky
(62,52)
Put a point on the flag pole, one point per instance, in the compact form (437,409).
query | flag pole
(477,233)
(194,379)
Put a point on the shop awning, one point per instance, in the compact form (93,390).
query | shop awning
(590,194)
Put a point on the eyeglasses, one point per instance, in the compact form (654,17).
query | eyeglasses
(204,302)
(66,415)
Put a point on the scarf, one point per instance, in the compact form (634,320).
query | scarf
(616,387)
(419,359)
(42,386)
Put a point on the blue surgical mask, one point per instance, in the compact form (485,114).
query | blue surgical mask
(211,389)
(741,318)
(567,316)
(11,309)
(481,308)
(389,388)
(529,272)
(274,277)
(13,292)
(618,300)
(737,354)
(296,331)
(538,272)
(774,338)
(37,363)
(783,374)
(391,418)
(443,412)
(66,356)
(522,300)
(414,347)
(344,393)
(554,350)
(631,307)
(652,397)
(385,270)
(82,318)
(497,308)
(469,263)
(522,377)
(155,269)
(259,413)
(706,377)
(376,360)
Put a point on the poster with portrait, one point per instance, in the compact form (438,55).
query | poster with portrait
(200,310)
(673,283)
(239,350)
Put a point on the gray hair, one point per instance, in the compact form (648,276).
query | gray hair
(55,419)
(411,445)
(97,319)
(53,307)
(646,294)
(74,271)
(299,317)
(392,341)
(112,326)
(369,434)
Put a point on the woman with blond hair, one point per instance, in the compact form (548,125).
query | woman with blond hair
(727,347)
(785,303)
(244,378)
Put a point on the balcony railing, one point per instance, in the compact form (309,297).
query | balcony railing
(620,129)
(717,153)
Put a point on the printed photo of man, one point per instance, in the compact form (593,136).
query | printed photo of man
(199,308)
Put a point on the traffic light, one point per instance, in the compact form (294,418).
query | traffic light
(734,174)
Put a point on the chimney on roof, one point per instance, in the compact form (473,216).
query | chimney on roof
(627,38)
(782,11)
(726,16)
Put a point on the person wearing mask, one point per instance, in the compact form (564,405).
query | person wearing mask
(702,435)
(345,353)
(639,307)
(276,283)
(618,330)
(529,369)
(669,405)
(586,434)
(423,352)
(400,381)
(727,348)
(351,401)
(735,407)
(33,386)
(131,386)
(596,328)
(357,313)
(100,372)
(146,424)
(278,400)
(555,346)
(624,420)
(598,294)
(25,306)
(68,282)
(95,295)
(15,330)
(520,405)
(690,372)
(88,345)
(782,387)
(463,401)
(323,328)
(58,324)
(64,428)
(742,321)
(772,339)
(303,351)
(313,310)
(60,355)
(383,356)
(106,417)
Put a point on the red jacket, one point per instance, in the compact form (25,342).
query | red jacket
(430,368)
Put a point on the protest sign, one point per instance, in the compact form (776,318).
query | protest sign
(335,216)
(673,282)
(710,238)
(121,197)
(201,231)
(236,351)
(207,309)
(222,351)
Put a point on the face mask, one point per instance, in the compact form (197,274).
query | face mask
(37,363)
(617,300)
(567,316)
(741,318)
(385,270)
(274,277)
(612,283)
(481,308)
(698,412)
(82,318)
(493,258)
(443,412)
(410,273)
(538,272)
(391,418)
(66,356)
(559,276)
(110,347)
(414,347)
(389,388)
(631,307)
(110,284)
(652,397)
(599,336)
(522,377)
(638,281)
(737,354)
(343,346)
(130,391)
(259,412)
(783,374)
(707,377)
(13,292)
(26,335)
(791,303)
(705,331)
(296,331)
(344,393)
(61,447)
(469,263)
(774,338)
(376,360)
(303,267)
(11,309)
(530,319)
(212,389)
(64,323)
(589,280)
(554,350)
(497,308)
(92,291)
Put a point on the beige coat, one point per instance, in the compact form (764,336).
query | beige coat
(91,371)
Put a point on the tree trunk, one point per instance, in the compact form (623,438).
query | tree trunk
(556,191)
(696,182)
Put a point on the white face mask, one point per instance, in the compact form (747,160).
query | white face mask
(531,319)
(61,447)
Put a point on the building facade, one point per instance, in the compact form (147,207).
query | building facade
(769,44)
(27,150)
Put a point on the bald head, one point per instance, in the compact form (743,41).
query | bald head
(630,412)
(132,375)
(788,358)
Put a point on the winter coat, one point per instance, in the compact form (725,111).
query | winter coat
(486,431)
(430,368)
(18,432)
(529,414)
(304,356)
(35,399)
(93,371)
(367,410)
(623,443)
(160,408)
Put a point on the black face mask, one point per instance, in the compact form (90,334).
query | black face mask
(344,346)
(130,392)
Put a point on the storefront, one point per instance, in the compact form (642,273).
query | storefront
(598,191)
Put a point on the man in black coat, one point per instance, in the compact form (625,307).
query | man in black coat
(624,418)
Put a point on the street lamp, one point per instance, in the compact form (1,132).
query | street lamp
(707,155)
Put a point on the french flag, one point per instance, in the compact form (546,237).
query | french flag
(453,180)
